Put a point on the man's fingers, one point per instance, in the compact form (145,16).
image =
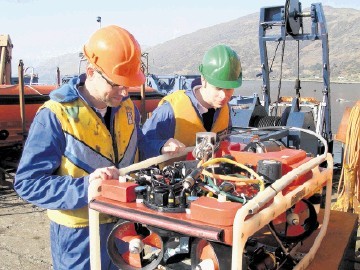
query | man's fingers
(172,146)
(105,173)
(173,149)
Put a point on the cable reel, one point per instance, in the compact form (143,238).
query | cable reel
(268,121)
(293,16)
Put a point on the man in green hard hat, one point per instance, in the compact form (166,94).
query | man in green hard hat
(183,113)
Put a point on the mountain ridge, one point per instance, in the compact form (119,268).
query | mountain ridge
(182,55)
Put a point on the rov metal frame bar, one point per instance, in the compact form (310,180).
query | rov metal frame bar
(279,16)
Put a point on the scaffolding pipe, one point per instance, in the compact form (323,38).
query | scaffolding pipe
(22,100)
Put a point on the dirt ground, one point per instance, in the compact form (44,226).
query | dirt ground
(24,234)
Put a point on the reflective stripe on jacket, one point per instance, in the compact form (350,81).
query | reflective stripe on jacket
(90,145)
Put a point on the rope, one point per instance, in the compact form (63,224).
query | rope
(349,182)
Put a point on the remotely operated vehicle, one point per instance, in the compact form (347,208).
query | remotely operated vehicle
(250,199)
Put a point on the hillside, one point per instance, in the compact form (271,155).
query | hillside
(183,54)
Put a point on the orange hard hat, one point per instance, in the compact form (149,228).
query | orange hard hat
(116,53)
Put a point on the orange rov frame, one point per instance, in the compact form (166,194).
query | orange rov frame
(209,220)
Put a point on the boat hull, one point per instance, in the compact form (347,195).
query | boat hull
(11,123)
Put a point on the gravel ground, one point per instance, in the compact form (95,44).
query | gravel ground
(24,233)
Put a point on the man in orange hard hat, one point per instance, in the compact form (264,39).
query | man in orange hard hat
(86,131)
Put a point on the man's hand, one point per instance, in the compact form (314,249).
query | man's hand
(106,173)
(172,146)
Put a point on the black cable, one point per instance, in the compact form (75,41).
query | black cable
(280,79)
(287,4)
(272,61)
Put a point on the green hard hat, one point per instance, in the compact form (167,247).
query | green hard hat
(221,67)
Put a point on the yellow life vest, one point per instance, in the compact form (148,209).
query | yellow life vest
(89,145)
(187,121)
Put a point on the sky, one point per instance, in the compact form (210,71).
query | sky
(41,29)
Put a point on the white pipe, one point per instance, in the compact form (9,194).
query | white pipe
(2,65)
(155,160)
(299,129)
(308,258)
(242,229)
(94,227)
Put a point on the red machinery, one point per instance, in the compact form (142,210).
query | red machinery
(214,209)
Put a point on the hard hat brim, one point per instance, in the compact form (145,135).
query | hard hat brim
(136,79)
(224,84)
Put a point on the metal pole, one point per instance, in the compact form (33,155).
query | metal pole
(143,106)
(58,76)
(98,19)
(2,66)
(144,68)
(22,99)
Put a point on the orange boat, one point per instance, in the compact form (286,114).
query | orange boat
(17,113)
(152,98)
(11,126)
(12,132)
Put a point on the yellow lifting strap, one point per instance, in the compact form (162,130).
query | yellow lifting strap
(349,182)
